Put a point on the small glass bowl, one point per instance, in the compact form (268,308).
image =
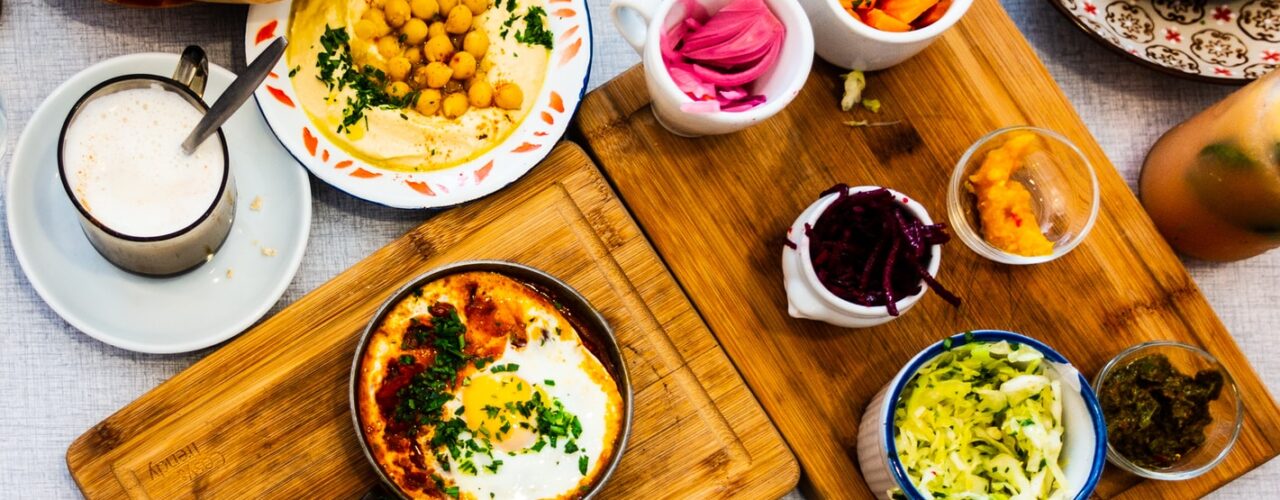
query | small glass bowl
(1063,186)
(1227,411)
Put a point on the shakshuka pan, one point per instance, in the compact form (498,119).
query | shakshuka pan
(480,386)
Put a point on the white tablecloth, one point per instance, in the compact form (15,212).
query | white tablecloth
(56,382)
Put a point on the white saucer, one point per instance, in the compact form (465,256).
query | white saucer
(159,315)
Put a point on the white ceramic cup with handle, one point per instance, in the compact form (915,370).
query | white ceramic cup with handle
(848,43)
(643,22)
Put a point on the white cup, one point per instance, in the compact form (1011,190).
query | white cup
(848,43)
(780,84)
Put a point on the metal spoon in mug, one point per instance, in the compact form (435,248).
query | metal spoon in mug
(235,95)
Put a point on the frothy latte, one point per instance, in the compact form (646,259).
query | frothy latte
(124,163)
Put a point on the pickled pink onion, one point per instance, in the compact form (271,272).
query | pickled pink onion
(714,58)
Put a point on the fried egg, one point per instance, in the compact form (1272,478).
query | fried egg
(478,386)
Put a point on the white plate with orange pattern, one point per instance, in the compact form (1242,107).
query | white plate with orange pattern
(554,104)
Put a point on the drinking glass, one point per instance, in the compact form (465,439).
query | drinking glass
(1212,184)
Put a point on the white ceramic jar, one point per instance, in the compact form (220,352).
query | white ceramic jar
(643,22)
(848,43)
(808,298)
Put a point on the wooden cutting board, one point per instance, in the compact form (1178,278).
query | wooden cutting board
(267,415)
(717,209)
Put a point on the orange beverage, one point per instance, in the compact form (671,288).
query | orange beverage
(1212,184)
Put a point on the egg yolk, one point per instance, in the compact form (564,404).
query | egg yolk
(489,408)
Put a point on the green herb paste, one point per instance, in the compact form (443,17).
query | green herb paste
(1155,414)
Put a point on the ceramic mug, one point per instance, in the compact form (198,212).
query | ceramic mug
(808,298)
(643,22)
(848,43)
(182,250)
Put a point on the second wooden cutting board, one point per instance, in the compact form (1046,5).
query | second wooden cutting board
(717,209)
(267,415)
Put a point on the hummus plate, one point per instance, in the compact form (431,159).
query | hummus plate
(404,159)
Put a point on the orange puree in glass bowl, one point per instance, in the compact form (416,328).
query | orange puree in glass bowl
(1004,204)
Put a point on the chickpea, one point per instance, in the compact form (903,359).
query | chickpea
(414,31)
(476,6)
(397,12)
(378,25)
(438,74)
(379,4)
(463,65)
(454,105)
(480,94)
(388,46)
(398,89)
(428,102)
(438,49)
(366,29)
(486,64)
(398,68)
(436,29)
(459,20)
(508,96)
(476,43)
(447,5)
(413,55)
(375,14)
(424,9)
(419,77)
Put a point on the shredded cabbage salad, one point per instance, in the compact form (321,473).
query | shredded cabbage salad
(982,421)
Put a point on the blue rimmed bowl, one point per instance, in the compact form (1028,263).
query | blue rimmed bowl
(1085,438)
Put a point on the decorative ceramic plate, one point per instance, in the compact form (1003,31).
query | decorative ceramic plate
(566,81)
(200,308)
(1224,42)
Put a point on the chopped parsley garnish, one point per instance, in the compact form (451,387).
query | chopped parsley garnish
(509,367)
(582,464)
(451,491)
(339,71)
(294,71)
(493,466)
(549,382)
(423,400)
(406,359)
(535,28)
(506,26)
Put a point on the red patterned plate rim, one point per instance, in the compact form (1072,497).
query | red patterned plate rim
(1224,14)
